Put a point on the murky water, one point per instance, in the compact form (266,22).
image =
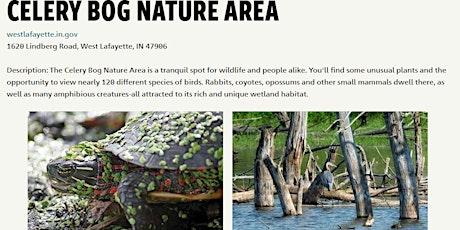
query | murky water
(330,216)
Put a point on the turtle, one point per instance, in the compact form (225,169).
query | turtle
(163,168)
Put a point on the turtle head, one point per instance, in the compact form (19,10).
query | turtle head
(76,172)
(67,174)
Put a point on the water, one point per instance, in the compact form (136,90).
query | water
(330,216)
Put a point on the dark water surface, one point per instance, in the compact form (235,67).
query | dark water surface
(245,216)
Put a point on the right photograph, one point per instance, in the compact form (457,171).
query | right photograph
(330,170)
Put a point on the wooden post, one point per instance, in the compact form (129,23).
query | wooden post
(295,147)
(299,197)
(418,147)
(355,170)
(263,184)
(405,173)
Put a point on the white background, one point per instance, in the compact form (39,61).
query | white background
(309,33)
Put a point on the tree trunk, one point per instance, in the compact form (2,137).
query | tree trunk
(283,191)
(295,147)
(299,197)
(263,184)
(355,170)
(242,197)
(408,197)
(284,119)
(418,147)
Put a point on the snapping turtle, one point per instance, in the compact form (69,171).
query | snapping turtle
(163,168)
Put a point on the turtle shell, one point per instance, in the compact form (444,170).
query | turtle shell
(170,140)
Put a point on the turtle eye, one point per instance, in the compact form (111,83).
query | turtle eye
(66,169)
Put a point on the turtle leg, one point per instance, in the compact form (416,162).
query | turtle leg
(130,196)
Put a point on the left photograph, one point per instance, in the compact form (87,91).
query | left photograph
(125,170)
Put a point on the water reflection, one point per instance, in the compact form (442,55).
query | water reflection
(343,216)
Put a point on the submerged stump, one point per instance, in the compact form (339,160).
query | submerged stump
(263,184)
(407,186)
(354,168)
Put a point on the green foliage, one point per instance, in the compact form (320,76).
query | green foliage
(321,131)
(255,119)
